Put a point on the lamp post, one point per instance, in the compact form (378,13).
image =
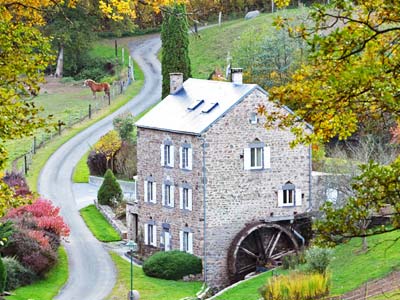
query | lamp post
(132,295)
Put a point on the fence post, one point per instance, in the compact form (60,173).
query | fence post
(25,165)
(90,111)
(59,127)
(34,145)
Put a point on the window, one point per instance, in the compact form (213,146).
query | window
(165,239)
(289,195)
(253,118)
(167,154)
(150,234)
(257,156)
(168,194)
(186,197)
(186,241)
(185,161)
(150,190)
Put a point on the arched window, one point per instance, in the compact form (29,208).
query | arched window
(289,195)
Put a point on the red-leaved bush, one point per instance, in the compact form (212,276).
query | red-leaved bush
(44,214)
(38,231)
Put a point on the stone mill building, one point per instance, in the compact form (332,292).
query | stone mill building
(214,182)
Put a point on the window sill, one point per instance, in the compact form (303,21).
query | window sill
(168,206)
(186,169)
(168,167)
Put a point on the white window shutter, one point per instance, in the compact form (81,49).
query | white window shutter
(145,191)
(190,160)
(280,198)
(172,195)
(267,157)
(172,155)
(190,242)
(163,197)
(181,240)
(154,235)
(181,197)
(162,154)
(180,157)
(190,199)
(154,193)
(247,158)
(298,197)
(146,234)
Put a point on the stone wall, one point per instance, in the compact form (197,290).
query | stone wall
(107,212)
(149,163)
(236,197)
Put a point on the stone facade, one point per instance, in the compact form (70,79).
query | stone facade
(234,196)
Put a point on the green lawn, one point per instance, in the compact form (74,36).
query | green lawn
(98,225)
(349,269)
(48,288)
(210,48)
(81,171)
(148,287)
(392,296)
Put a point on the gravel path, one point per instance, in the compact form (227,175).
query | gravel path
(91,271)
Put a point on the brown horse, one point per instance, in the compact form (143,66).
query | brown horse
(97,87)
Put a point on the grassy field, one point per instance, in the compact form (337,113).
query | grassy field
(98,225)
(209,49)
(349,268)
(148,287)
(48,288)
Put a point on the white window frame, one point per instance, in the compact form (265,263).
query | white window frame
(150,191)
(150,234)
(186,241)
(185,157)
(186,198)
(167,154)
(168,190)
(257,157)
(289,196)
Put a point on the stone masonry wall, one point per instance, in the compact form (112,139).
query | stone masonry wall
(149,163)
(236,197)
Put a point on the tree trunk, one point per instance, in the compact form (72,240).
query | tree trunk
(364,244)
(60,62)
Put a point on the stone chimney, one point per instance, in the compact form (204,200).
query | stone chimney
(175,82)
(237,75)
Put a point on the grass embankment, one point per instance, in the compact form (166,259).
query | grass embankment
(209,49)
(98,225)
(47,288)
(349,268)
(148,287)
(44,153)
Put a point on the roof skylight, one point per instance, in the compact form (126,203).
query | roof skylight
(209,107)
(195,104)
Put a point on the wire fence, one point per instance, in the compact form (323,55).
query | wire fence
(23,162)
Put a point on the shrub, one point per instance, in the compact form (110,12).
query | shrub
(290,261)
(97,163)
(172,265)
(3,276)
(30,252)
(296,286)
(318,259)
(17,274)
(110,191)
(17,182)
(124,124)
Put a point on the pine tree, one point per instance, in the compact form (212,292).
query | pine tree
(175,45)
(110,191)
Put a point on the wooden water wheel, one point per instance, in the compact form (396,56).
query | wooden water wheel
(259,246)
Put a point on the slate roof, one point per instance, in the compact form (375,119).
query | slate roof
(173,113)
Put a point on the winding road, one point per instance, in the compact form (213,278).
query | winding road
(91,270)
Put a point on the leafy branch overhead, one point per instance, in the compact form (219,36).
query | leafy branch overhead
(352,74)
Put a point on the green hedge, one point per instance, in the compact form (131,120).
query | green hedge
(172,265)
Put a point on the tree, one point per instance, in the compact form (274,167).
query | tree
(108,145)
(110,191)
(352,74)
(175,45)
